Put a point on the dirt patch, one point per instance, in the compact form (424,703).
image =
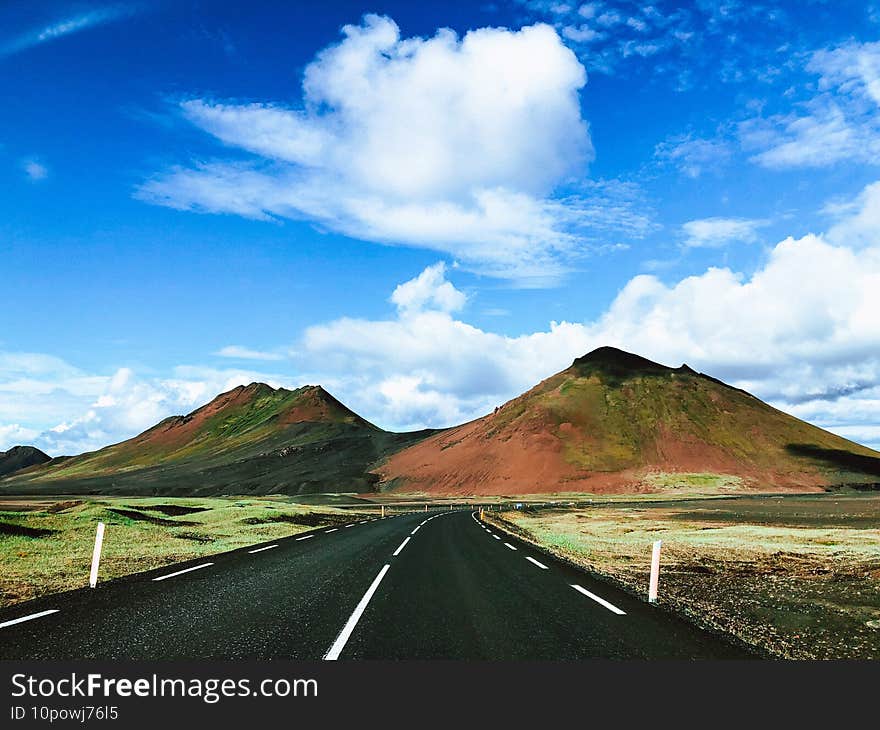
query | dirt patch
(21,531)
(194,537)
(141,517)
(63,506)
(306,519)
(174,510)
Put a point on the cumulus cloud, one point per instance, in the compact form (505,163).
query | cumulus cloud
(429,288)
(717,232)
(471,146)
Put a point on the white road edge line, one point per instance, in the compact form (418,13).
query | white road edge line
(334,651)
(185,570)
(304,537)
(507,544)
(27,618)
(540,565)
(601,601)
(400,549)
(259,550)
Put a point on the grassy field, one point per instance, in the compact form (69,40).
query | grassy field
(795,577)
(46,546)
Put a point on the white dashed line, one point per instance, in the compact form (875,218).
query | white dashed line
(540,565)
(507,544)
(304,537)
(181,572)
(259,550)
(351,525)
(27,618)
(338,645)
(327,532)
(415,531)
(601,601)
(496,537)
(400,549)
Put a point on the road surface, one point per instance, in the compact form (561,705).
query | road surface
(420,586)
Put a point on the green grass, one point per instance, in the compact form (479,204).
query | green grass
(32,567)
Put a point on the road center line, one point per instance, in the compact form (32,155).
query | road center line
(341,640)
(400,549)
(27,618)
(259,550)
(185,570)
(601,601)
(416,530)
(540,565)
(507,544)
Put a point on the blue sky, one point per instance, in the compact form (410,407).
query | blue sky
(427,207)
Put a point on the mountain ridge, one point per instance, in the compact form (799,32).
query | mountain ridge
(613,421)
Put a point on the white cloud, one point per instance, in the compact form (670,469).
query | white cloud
(34,170)
(429,288)
(840,122)
(717,232)
(64,27)
(245,353)
(14,434)
(461,145)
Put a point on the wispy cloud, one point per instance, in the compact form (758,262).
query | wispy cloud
(65,26)
(693,155)
(839,122)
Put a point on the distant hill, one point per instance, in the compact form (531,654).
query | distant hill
(20,457)
(253,439)
(617,422)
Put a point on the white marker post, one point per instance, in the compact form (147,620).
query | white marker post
(655,572)
(383,510)
(96,555)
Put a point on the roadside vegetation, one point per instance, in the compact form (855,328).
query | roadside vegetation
(794,577)
(46,547)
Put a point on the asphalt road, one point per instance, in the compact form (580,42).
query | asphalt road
(398,588)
